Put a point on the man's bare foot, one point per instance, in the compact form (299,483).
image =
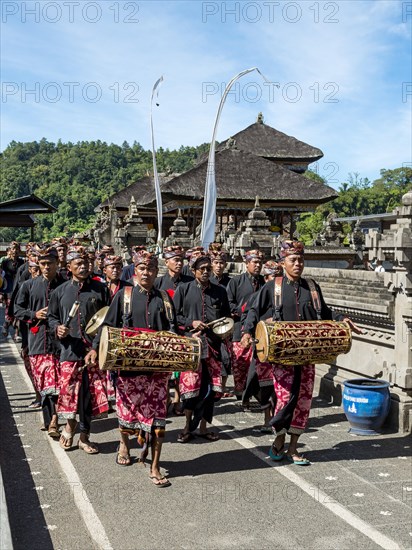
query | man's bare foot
(123,454)
(158,479)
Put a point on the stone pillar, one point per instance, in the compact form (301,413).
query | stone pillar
(395,245)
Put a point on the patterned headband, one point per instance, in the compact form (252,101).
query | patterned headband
(76,252)
(289,248)
(145,257)
(195,260)
(254,255)
(215,252)
(173,252)
(271,268)
(44,250)
(196,251)
(112,260)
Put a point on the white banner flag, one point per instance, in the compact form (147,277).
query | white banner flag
(207,235)
(155,174)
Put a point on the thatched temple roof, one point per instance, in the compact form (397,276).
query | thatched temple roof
(240,176)
(264,141)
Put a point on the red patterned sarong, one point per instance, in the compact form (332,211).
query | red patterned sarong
(45,372)
(284,382)
(70,381)
(111,394)
(190,382)
(264,373)
(141,401)
(241,358)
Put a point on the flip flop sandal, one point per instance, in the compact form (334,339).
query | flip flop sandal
(160,485)
(128,460)
(185,438)
(299,460)
(85,445)
(276,454)
(210,436)
(35,405)
(68,437)
(53,431)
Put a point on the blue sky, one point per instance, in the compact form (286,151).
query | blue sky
(80,70)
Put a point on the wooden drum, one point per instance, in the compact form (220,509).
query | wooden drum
(291,343)
(141,350)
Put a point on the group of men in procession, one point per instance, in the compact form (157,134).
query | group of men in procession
(60,287)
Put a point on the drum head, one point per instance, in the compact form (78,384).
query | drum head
(262,344)
(224,328)
(103,347)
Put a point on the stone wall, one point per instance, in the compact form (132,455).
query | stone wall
(383,350)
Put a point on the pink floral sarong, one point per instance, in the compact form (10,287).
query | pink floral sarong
(264,373)
(45,372)
(190,382)
(241,358)
(70,382)
(293,400)
(141,401)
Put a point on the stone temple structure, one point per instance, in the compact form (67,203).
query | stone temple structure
(257,161)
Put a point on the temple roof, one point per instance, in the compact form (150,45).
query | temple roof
(140,188)
(241,175)
(29,204)
(264,141)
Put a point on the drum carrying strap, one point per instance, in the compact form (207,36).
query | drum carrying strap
(127,300)
(315,298)
(168,306)
(278,298)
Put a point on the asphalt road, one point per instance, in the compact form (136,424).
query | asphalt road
(357,493)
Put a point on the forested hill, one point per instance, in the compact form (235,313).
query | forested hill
(76,177)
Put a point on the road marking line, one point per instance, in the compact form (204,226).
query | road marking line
(319,496)
(81,500)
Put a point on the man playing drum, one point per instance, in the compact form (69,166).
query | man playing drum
(294,384)
(141,396)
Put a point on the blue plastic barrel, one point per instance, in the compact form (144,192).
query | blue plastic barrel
(366,405)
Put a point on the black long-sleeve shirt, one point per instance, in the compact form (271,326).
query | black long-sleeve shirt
(32,296)
(239,290)
(296,304)
(166,282)
(223,281)
(196,303)
(92,296)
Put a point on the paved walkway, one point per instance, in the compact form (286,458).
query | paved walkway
(225,494)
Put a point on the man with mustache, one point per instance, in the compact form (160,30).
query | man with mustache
(82,384)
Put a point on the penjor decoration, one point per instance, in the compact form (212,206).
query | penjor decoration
(155,91)
(207,235)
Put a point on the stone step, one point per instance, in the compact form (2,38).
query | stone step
(362,306)
(357,294)
(351,284)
